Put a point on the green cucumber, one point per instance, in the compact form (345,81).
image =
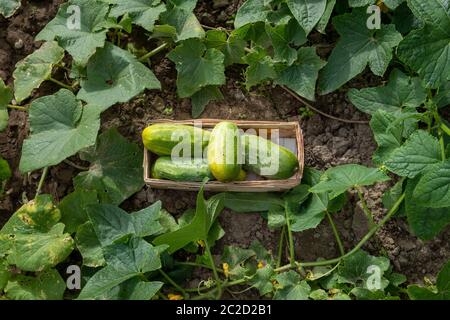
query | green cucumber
(181,170)
(265,161)
(162,138)
(224,152)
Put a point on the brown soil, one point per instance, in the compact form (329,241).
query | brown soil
(327,143)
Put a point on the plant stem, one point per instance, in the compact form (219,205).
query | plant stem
(155,51)
(214,269)
(225,285)
(445,128)
(366,238)
(198,265)
(162,296)
(173,283)
(76,166)
(290,238)
(298,98)
(75,84)
(336,261)
(61,84)
(442,143)
(336,233)
(365,208)
(280,246)
(41,181)
(10,106)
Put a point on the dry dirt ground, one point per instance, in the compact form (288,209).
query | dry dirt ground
(327,143)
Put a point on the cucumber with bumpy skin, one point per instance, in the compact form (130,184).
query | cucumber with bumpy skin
(181,170)
(268,159)
(161,138)
(224,151)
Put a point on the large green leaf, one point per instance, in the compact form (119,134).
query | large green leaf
(291,287)
(231,46)
(250,12)
(197,67)
(282,35)
(307,12)
(116,168)
(235,257)
(6,96)
(48,285)
(133,289)
(73,208)
(442,291)
(339,179)
(426,223)
(401,91)
(89,246)
(142,12)
(301,77)
(442,98)
(357,48)
(112,223)
(390,129)
(136,256)
(427,50)
(419,152)
(82,40)
(180,18)
(124,261)
(201,99)
(9,7)
(35,69)
(198,229)
(323,22)
(115,75)
(60,127)
(262,280)
(433,189)
(307,213)
(358,268)
(261,67)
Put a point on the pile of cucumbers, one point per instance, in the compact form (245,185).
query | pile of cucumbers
(222,154)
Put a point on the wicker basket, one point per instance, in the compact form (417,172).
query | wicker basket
(286,130)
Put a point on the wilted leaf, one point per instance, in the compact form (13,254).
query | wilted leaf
(45,286)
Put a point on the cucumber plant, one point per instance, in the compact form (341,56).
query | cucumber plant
(89,43)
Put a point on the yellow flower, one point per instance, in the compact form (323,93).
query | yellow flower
(226,269)
(201,243)
(260,265)
(174,296)
(382,6)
